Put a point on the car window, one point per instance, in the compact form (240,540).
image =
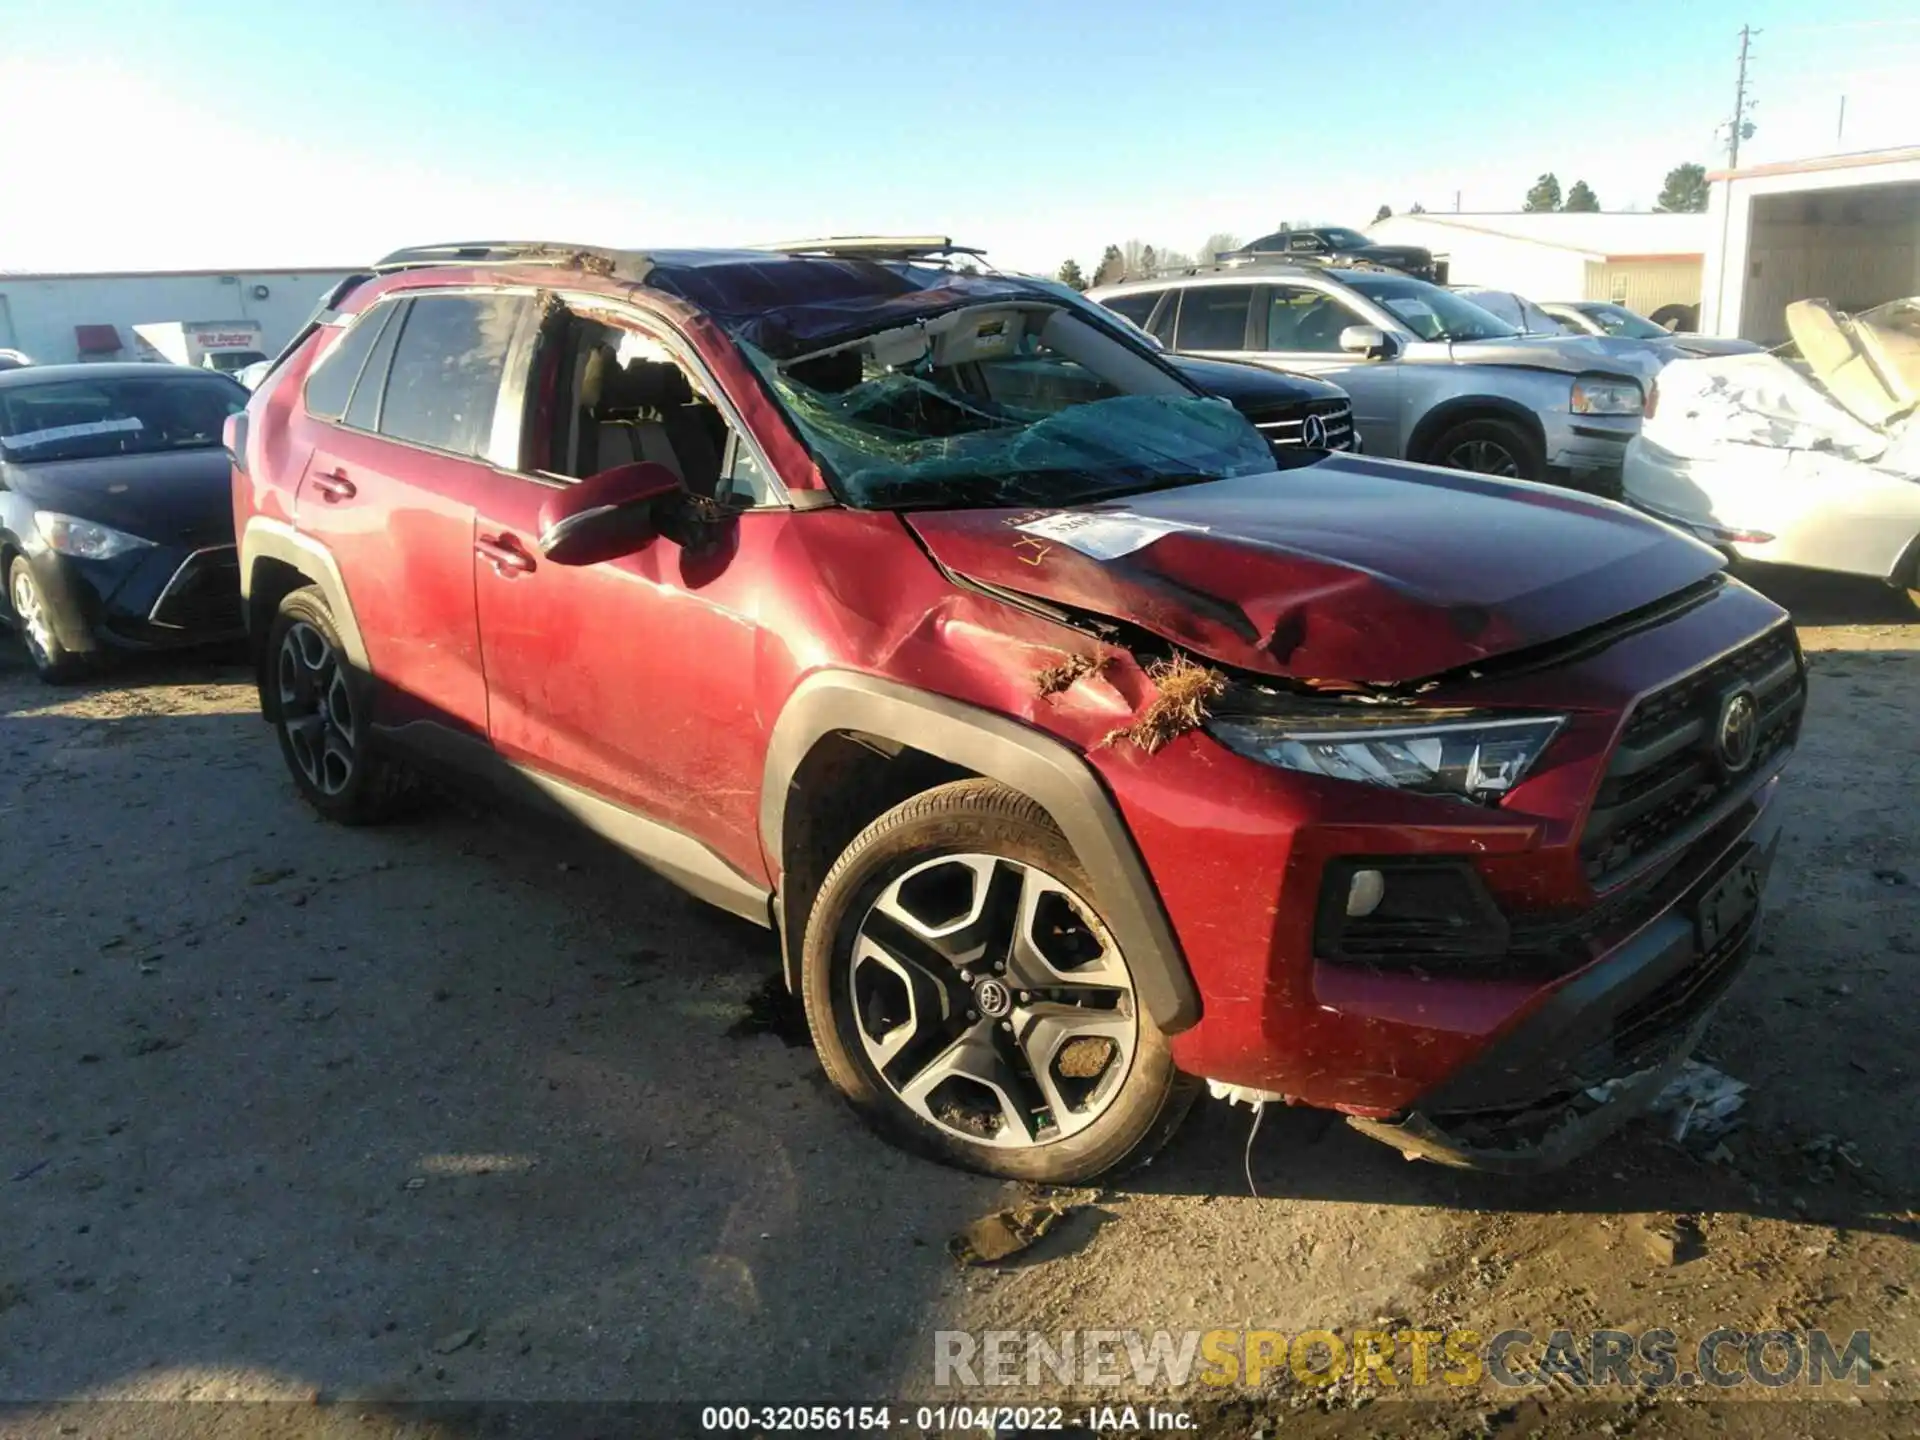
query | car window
(1498,302)
(363,411)
(1536,321)
(1136,306)
(1213,317)
(1162,327)
(1305,320)
(1428,311)
(1308,243)
(331,382)
(89,419)
(445,375)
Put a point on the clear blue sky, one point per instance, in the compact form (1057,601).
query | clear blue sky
(227,133)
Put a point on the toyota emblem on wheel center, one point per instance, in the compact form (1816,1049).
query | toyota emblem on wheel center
(993,998)
(1738,733)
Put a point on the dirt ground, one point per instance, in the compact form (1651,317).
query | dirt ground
(460,1110)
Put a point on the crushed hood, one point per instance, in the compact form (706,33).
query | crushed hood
(1340,569)
(1870,363)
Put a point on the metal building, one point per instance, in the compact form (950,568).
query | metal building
(1842,228)
(60,318)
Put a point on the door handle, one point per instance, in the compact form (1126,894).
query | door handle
(335,486)
(506,555)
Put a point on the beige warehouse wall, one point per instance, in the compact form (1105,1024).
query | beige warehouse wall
(1645,285)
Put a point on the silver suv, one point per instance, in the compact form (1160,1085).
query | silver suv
(1433,377)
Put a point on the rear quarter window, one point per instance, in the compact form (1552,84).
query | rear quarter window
(331,383)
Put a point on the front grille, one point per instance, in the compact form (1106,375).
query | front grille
(1283,428)
(203,597)
(1665,783)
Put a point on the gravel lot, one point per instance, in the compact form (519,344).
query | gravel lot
(457,1109)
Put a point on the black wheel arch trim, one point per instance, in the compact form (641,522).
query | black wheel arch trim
(1458,411)
(1052,774)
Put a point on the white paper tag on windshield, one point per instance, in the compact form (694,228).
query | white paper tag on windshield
(72,432)
(1105,535)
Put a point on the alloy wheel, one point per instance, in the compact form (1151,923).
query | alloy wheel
(316,708)
(992,1002)
(35,628)
(1487,457)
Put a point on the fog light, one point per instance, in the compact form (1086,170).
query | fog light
(1365,892)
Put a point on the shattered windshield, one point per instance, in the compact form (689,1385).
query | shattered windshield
(88,419)
(1428,311)
(994,405)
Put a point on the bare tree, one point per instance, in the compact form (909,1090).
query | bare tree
(1218,244)
(1135,258)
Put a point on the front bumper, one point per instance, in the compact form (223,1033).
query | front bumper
(157,598)
(1598,1050)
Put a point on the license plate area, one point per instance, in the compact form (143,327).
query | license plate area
(1729,903)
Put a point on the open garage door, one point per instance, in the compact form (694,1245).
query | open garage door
(1857,247)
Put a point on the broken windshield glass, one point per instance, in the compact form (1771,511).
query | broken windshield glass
(997,406)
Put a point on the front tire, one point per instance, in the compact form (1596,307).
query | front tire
(1491,447)
(317,703)
(33,620)
(967,998)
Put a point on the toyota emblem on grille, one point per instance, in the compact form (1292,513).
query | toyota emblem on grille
(1313,433)
(1738,733)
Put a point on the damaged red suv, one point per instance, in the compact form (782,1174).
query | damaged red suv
(1076,746)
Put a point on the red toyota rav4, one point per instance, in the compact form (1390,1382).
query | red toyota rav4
(1076,745)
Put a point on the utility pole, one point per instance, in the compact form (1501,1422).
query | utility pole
(1739,129)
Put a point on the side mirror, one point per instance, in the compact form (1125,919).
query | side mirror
(605,515)
(1369,341)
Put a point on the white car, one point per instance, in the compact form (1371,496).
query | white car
(1814,463)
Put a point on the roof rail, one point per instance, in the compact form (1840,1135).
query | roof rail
(876,247)
(502,252)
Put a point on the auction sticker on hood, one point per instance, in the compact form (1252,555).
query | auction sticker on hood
(1104,534)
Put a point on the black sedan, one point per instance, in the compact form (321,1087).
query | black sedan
(116,513)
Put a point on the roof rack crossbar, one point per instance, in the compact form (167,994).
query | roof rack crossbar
(875,247)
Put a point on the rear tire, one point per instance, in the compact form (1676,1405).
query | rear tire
(969,1002)
(1499,448)
(318,706)
(32,616)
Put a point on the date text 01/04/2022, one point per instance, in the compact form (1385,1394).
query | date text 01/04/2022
(940,1419)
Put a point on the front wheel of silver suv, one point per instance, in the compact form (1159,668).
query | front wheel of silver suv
(968,999)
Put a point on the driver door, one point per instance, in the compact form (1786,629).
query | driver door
(1299,329)
(632,680)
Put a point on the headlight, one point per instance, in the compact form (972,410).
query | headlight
(1600,395)
(86,539)
(1474,759)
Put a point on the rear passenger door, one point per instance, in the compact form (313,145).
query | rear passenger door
(1214,321)
(390,491)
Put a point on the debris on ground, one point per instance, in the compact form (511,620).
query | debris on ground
(269,877)
(1050,680)
(1184,688)
(1700,1103)
(1005,1232)
(1085,1057)
(458,1340)
(1673,1244)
